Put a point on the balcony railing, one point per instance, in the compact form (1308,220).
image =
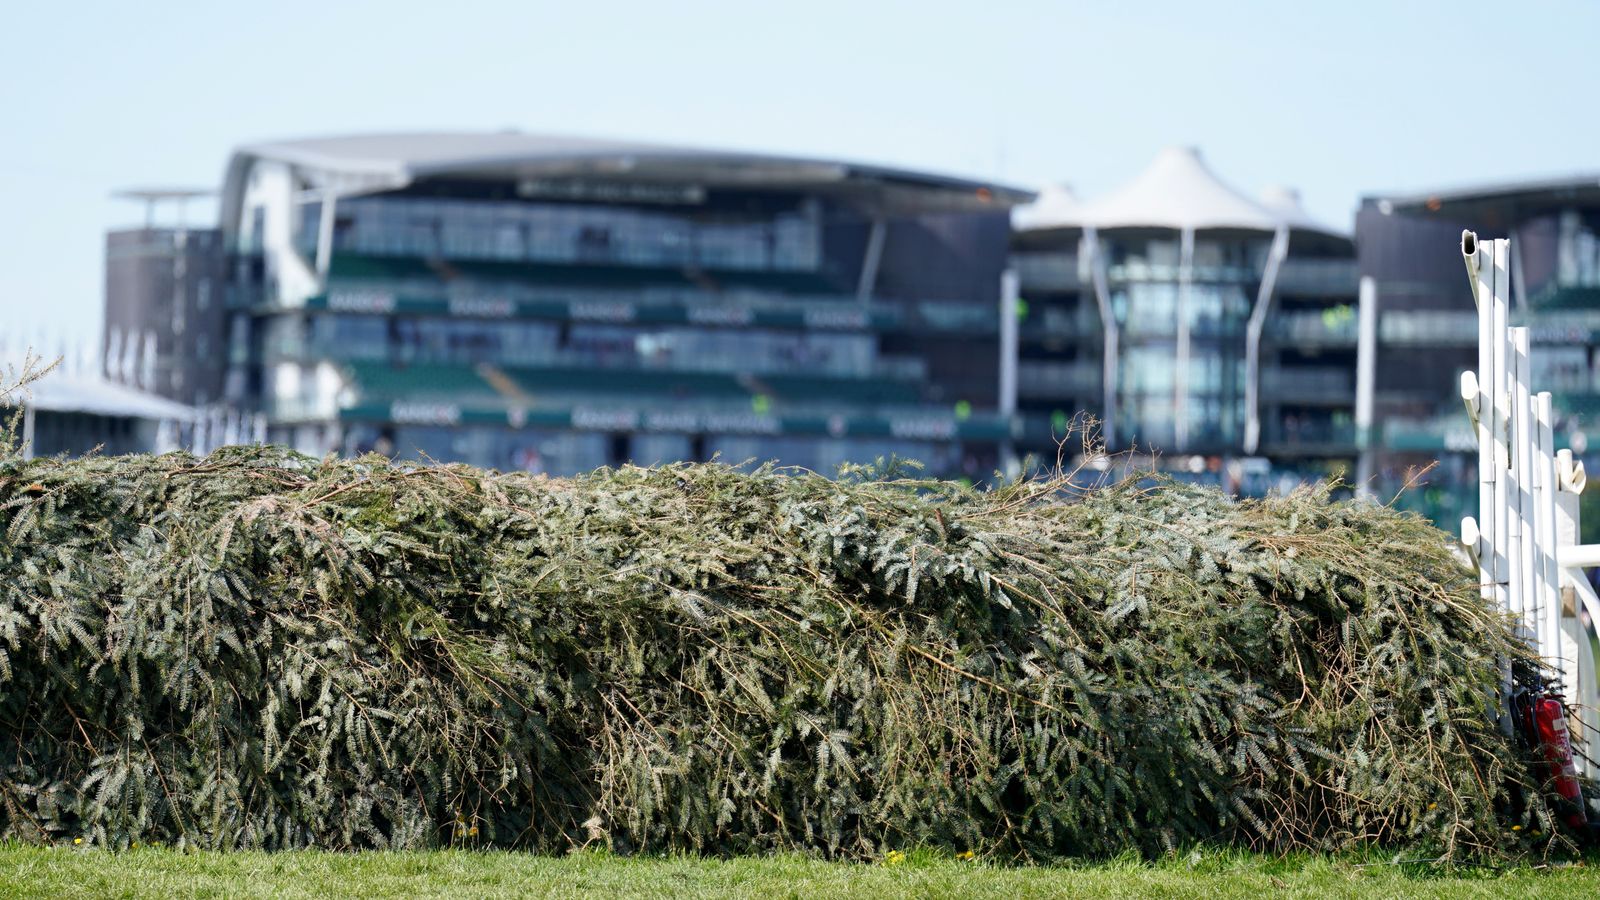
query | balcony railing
(1453,433)
(888,368)
(1428,328)
(1318,277)
(1290,436)
(1140,271)
(1037,379)
(1310,383)
(1047,271)
(1323,328)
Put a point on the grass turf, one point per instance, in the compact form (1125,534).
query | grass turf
(158,872)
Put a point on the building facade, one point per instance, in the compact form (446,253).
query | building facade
(549,304)
(168,285)
(1190,320)
(1427,325)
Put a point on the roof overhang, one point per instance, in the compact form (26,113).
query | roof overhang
(1503,203)
(360,164)
(94,395)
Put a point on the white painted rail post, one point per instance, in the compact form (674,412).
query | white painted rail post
(1525,537)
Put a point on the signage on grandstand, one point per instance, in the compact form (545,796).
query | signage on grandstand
(361,301)
(482,307)
(406,412)
(591,311)
(928,429)
(687,422)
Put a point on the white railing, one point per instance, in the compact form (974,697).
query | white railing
(1524,538)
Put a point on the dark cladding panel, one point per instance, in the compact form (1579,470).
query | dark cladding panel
(171,283)
(1415,261)
(945,257)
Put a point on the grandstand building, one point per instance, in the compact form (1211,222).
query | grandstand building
(1191,320)
(553,304)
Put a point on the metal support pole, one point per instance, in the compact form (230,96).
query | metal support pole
(1108,327)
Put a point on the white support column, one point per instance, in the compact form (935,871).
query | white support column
(330,200)
(1366,382)
(27,430)
(1009,300)
(1108,326)
(1254,329)
(1180,375)
(867,281)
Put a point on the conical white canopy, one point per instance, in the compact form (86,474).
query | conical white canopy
(1284,202)
(1178,191)
(1056,207)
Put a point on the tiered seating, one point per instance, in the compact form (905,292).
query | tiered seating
(383,381)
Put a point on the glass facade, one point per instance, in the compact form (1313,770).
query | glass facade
(1160,320)
(1578,248)
(443,340)
(522,231)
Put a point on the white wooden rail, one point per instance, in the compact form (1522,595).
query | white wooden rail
(1525,537)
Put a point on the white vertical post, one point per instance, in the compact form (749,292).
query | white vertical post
(1500,404)
(1493,561)
(1010,299)
(1366,382)
(1522,535)
(27,430)
(1479,270)
(1544,487)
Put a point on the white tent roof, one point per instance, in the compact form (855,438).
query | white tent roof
(1056,207)
(1285,203)
(93,394)
(1178,191)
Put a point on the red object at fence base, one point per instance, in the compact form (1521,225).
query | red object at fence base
(1555,745)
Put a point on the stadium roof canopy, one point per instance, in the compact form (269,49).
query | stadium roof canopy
(377,162)
(1176,191)
(1504,203)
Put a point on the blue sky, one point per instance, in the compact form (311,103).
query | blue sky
(1338,99)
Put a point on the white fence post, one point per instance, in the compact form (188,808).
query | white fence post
(1525,538)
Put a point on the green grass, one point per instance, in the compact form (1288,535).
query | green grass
(60,872)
